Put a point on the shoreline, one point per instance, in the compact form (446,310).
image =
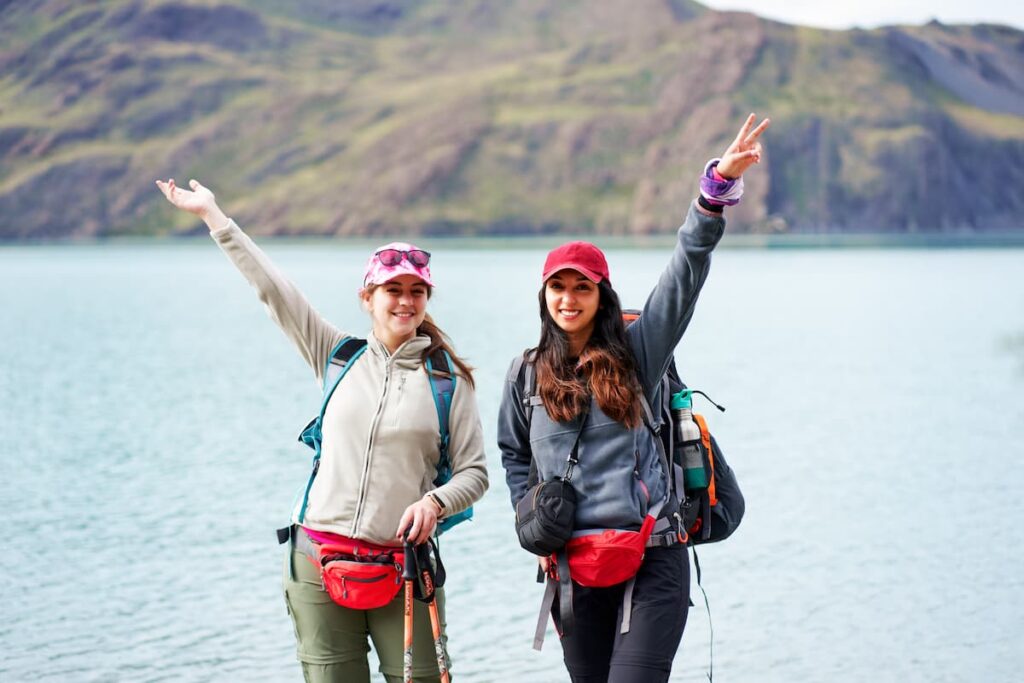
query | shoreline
(992,240)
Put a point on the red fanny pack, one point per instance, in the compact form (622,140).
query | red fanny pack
(608,557)
(359,575)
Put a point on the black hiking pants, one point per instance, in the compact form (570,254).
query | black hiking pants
(596,652)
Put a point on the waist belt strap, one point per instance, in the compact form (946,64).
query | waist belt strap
(304,544)
(627,604)
(550,589)
(663,540)
(662,525)
(562,586)
(297,539)
(565,594)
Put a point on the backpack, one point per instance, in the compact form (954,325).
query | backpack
(442,386)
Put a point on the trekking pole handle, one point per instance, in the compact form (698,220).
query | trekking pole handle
(408,557)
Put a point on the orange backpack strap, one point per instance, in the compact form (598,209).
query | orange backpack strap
(705,438)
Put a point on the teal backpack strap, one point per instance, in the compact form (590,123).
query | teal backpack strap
(442,386)
(346,352)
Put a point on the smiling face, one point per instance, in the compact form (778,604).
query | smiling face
(397,308)
(572,302)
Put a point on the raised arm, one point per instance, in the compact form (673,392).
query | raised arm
(671,303)
(312,335)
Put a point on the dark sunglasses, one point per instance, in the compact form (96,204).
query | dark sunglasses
(392,257)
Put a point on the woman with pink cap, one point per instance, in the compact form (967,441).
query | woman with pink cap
(380,445)
(581,451)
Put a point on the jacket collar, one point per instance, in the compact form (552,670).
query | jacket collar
(407,355)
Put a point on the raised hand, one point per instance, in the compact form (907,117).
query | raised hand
(198,201)
(744,151)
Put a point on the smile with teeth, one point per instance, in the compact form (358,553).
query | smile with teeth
(569,315)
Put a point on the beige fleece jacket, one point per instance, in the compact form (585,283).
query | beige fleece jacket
(380,431)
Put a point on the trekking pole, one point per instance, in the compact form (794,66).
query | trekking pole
(435,623)
(409,575)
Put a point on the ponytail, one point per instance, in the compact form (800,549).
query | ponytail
(440,341)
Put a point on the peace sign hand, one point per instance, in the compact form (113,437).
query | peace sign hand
(744,151)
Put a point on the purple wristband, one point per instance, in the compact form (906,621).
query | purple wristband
(720,192)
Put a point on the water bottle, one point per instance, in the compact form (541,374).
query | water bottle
(688,435)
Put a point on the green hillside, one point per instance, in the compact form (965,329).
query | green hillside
(496,117)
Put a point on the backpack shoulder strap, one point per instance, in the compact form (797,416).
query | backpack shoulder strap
(345,352)
(342,356)
(524,374)
(442,386)
(442,377)
(657,429)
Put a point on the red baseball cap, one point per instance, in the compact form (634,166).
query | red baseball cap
(580,256)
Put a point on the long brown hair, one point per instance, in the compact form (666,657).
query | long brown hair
(439,341)
(606,369)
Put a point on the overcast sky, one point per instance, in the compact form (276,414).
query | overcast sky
(872,13)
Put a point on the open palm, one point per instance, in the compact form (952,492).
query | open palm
(199,200)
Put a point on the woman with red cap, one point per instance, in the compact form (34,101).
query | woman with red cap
(379,450)
(580,419)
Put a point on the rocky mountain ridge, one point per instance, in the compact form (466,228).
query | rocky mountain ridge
(486,117)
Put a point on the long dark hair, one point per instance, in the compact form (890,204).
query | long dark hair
(606,368)
(439,341)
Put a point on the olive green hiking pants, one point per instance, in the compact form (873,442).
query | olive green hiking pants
(332,640)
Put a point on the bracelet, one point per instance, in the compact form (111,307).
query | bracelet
(436,501)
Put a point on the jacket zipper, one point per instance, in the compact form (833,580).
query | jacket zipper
(369,449)
(357,579)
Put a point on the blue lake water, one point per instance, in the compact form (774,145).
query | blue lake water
(875,418)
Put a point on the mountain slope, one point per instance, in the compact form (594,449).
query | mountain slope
(492,117)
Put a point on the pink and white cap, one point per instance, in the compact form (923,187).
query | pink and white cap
(377,273)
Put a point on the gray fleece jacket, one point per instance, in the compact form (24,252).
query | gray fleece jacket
(619,476)
(381,435)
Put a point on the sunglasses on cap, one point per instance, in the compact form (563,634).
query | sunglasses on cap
(392,257)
